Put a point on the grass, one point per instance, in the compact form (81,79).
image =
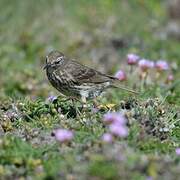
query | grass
(100,34)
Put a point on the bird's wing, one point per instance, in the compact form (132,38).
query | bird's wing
(83,74)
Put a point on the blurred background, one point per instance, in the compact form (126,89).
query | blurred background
(98,33)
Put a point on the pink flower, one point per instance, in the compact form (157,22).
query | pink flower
(132,59)
(118,130)
(107,138)
(94,109)
(63,135)
(178,151)
(162,65)
(121,75)
(170,78)
(145,64)
(149,178)
(51,98)
(114,117)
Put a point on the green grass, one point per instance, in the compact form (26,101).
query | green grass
(85,30)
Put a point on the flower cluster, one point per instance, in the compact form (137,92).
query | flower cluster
(63,135)
(132,59)
(116,123)
(162,65)
(178,151)
(143,66)
(121,75)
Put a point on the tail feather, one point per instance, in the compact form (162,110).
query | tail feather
(116,84)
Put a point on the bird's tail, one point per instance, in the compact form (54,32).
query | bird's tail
(117,84)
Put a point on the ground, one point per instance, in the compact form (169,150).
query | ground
(99,34)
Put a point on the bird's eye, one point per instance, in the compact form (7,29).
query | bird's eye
(60,58)
(59,61)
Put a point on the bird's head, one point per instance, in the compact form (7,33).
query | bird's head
(54,59)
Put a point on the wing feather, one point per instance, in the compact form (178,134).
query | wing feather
(83,74)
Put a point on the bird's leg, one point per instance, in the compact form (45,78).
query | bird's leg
(73,100)
(74,104)
(95,103)
(84,102)
(83,99)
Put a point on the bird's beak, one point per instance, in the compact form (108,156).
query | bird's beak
(45,67)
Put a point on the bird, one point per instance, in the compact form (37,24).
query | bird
(76,80)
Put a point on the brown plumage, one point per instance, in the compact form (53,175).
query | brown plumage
(76,80)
